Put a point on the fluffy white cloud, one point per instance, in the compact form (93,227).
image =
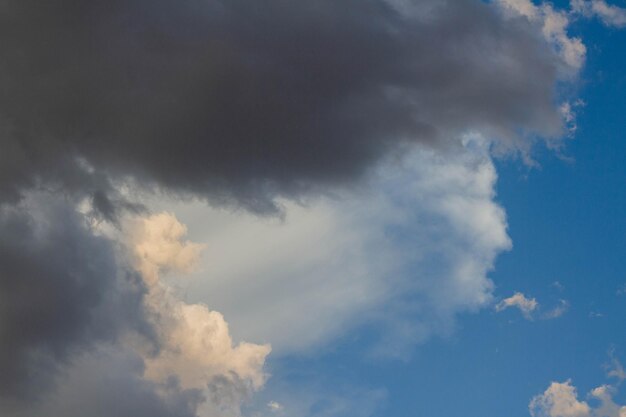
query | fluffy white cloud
(518,300)
(559,400)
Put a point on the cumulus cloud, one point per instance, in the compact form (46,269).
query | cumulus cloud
(518,300)
(195,346)
(561,400)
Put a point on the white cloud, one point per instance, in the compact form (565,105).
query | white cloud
(609,14)
(411,250)
(559,400)
(518,300)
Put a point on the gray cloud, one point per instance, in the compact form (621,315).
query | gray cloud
(61,291)
(240,101)
(108,382)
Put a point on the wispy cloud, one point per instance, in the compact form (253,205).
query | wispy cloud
(609,14)
(556,312)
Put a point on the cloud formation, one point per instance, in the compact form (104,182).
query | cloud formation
(561,400)
(240,103)
(99,320)
(609,14)
(62,290)
(195,347)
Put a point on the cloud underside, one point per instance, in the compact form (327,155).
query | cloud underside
(240,102)
(370,124)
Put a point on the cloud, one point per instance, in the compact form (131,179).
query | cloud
(405,252)
(557,311)
(559,400)
(108,381)
(250,107)
(609,14)
(62,290)
(615,369)
(80,320)
(518,300)
(241,103)
(554,24)
(530,307)
(195,346)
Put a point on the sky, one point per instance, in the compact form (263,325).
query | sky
(365,208)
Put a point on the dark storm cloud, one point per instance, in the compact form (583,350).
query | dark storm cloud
(61,291)
(239,101)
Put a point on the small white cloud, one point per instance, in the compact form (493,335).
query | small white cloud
(518,300)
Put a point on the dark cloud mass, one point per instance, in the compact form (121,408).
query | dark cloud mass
(240,101)
(61,291)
